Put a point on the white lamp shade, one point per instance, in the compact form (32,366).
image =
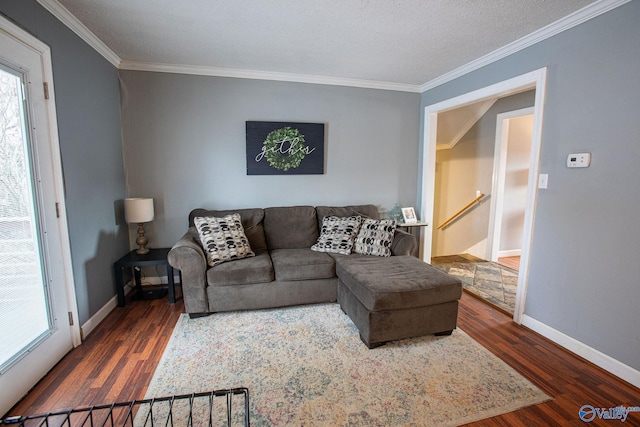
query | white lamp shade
(138,210)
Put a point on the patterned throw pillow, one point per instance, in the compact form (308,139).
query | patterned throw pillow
(337,234)
(223,239)
(375,237)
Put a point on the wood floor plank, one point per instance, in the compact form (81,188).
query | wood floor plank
(116,363)
(512,262)
(568,379)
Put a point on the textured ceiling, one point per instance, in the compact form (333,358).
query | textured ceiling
(396,41)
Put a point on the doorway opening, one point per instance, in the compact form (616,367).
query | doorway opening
(482,246)
(533,81)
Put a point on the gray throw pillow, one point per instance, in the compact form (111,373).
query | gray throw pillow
(375,237)
(337,234)
(223,239)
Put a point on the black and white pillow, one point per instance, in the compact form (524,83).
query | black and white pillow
(337,234)
(375,237)
(223,239)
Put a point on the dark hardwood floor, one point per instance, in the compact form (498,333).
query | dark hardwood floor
(117,361)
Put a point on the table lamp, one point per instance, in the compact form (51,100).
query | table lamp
(138,211)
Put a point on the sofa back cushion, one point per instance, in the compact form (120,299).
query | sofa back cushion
(365,211)
(252,222)
(292,227)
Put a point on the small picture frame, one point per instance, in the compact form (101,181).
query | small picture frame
(409,216)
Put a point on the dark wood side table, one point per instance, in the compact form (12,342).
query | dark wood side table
(133,260)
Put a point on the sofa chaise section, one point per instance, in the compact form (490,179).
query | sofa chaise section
(391,299)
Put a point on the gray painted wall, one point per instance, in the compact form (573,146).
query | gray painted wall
(184,139)
(583,277)
(88,110)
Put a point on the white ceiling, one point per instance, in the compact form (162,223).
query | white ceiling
(404,42)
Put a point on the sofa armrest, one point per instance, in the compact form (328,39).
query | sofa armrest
(404,244)
(188,256)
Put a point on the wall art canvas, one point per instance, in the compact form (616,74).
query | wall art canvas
(285,148)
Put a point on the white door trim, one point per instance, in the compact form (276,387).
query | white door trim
(532,80)
(52,128)
(33,60)
(499,172)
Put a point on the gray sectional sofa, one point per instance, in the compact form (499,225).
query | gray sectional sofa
(387,297)
(284,270)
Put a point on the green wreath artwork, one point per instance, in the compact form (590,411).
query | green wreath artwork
(284,148)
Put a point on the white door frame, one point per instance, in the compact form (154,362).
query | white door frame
(499,172)
(43,114)
(532,80)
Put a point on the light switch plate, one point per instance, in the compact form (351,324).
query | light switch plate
(579,160)
(543,180)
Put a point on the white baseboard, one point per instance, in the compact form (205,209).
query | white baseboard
(156,280)
(512,252)
(101,314)
(594,356)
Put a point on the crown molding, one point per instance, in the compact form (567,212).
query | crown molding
(266,75)
(589,12)
(68,19)
(578,17)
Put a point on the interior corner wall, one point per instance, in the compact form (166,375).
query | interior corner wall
(463,170)
(89,128)
(185,145)
(585,235)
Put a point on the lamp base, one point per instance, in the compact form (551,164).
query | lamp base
(141,241)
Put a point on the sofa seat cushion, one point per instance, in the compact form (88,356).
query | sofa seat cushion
(257,269)
(302,264)
(397,282)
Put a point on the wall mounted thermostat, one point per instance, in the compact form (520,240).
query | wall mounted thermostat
(579,160)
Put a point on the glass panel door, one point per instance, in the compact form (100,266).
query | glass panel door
(37,295)
(24,313)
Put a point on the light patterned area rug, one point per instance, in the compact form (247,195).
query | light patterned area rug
(306,366)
